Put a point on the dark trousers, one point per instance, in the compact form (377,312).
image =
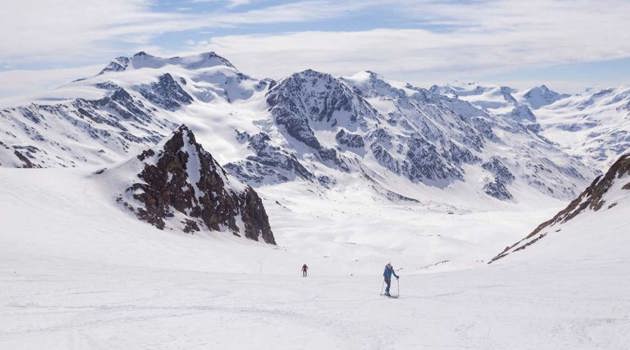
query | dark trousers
(388,282)
(303,273)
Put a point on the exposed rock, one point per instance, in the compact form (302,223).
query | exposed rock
(424,162)
(119,64)
(269,164)
(166,93)
(502,177)
(183,187)
(310,96)
(497,190)
(498,169)
(349,139)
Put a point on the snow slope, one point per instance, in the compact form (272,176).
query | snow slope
(84,274)
(601,209)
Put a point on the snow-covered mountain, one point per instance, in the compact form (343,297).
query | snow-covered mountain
(128,106)
(540,96)
(179,185)
(309,127)
(439,139)
(603,205)
(592,126)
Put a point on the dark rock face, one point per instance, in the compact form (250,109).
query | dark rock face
(183,186)
(502,177)
(116,123)
(425,163)
(166,93)
(500,171)
(384,158)
(26,154)
(497,190)
(349,139)
(120,101)
(270,164)
(419,159)
(310,96)
(117,65)
(592,198)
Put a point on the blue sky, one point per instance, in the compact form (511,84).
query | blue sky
(566,44)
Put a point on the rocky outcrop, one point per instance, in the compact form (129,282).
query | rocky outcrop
(350,140)
(593,198)
(269,164)
(181,186)
(497,188)
(166,93)
(313,97)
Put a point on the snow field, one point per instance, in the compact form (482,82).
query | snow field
(80,273)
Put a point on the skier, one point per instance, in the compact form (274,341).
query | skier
(304,270)
(387,274)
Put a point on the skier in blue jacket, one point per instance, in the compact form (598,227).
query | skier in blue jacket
(387,274)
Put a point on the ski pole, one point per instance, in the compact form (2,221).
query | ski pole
(398,285)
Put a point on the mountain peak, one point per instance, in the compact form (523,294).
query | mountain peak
(311,73)
(143,59)
(541,95)
(179,185)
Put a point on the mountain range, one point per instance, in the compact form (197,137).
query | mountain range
(462,146)
(314,127)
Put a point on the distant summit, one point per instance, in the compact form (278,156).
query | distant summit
(145,60)
(541,96)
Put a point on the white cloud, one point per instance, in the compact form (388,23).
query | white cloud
(231,3)
(455,40)
(43,31)
(482,38)
(235,3)
(28,83)
(33,29)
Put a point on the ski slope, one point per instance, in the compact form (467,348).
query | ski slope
(80,273)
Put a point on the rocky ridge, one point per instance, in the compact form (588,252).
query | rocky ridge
(593,199)
(181,186)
